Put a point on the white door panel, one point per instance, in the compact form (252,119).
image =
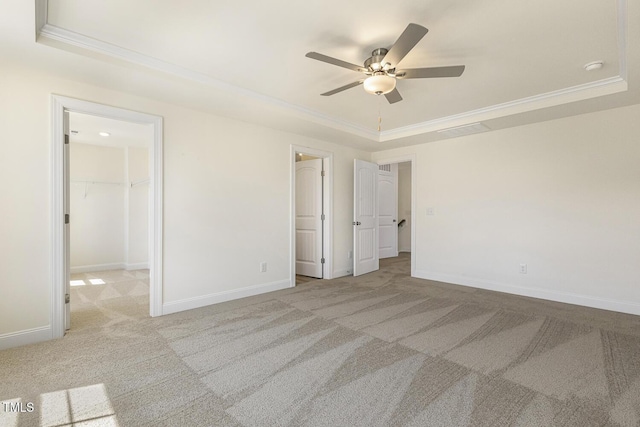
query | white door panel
(309,218)
(388,210)
(365,223)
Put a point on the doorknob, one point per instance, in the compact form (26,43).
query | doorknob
(394,220)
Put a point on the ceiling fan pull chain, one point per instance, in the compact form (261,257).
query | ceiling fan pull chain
(379,113)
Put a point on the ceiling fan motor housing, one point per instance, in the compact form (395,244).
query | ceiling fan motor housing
(374,63)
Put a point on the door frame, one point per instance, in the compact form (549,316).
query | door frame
(327,202)
(413,160)
(60,104)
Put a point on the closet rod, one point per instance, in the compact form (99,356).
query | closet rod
(96,182)
(142,181)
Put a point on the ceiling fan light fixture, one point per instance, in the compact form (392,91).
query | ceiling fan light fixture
(379,84)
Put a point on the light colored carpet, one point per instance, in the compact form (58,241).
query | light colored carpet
(383,349)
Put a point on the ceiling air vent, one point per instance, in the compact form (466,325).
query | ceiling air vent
(464,130)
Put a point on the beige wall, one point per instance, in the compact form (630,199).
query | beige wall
(561,196)
(226,197)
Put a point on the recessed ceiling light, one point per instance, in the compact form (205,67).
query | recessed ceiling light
(592,66)
(104,133)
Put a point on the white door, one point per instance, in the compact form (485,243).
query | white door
(365,222)
(388,210)
(67,225)
(309,218)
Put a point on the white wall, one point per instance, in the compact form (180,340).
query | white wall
(226,199)
(110,220)
(137,249)
(404,206)
(561,196)
(97,209)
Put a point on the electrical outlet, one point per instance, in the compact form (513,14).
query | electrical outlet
(350,255)
(263,267)
(523,268)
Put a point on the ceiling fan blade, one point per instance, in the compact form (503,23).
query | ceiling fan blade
(426,73)
(393,96)
(341,88)
(334,61)
(407,40)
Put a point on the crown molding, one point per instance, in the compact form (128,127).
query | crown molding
(47,32)
(545,100)
(66,37)
(41,8)
(622,38)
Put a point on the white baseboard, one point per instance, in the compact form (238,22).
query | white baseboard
(97,267)
(137,266)
(218,297)
(565,297)
(28,336)
(112,266)
(342,273)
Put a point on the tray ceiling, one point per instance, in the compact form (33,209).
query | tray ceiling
(249,58)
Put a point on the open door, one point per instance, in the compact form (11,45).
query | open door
(67,220)
(388,210)
(309,259)
(365,222)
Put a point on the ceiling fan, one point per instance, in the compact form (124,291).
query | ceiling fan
(381,66)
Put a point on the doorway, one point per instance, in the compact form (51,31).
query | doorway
(61,188)
(309,217)
(311,214)
(405,172)
(405,214)
(394,209)
(109,208)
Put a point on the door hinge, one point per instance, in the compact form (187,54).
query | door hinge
(322,217)
(67,298)
(321,173)
(66,139)
(66,218)
(321,260)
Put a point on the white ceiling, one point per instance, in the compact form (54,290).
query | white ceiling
(85,129)
(524,60)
